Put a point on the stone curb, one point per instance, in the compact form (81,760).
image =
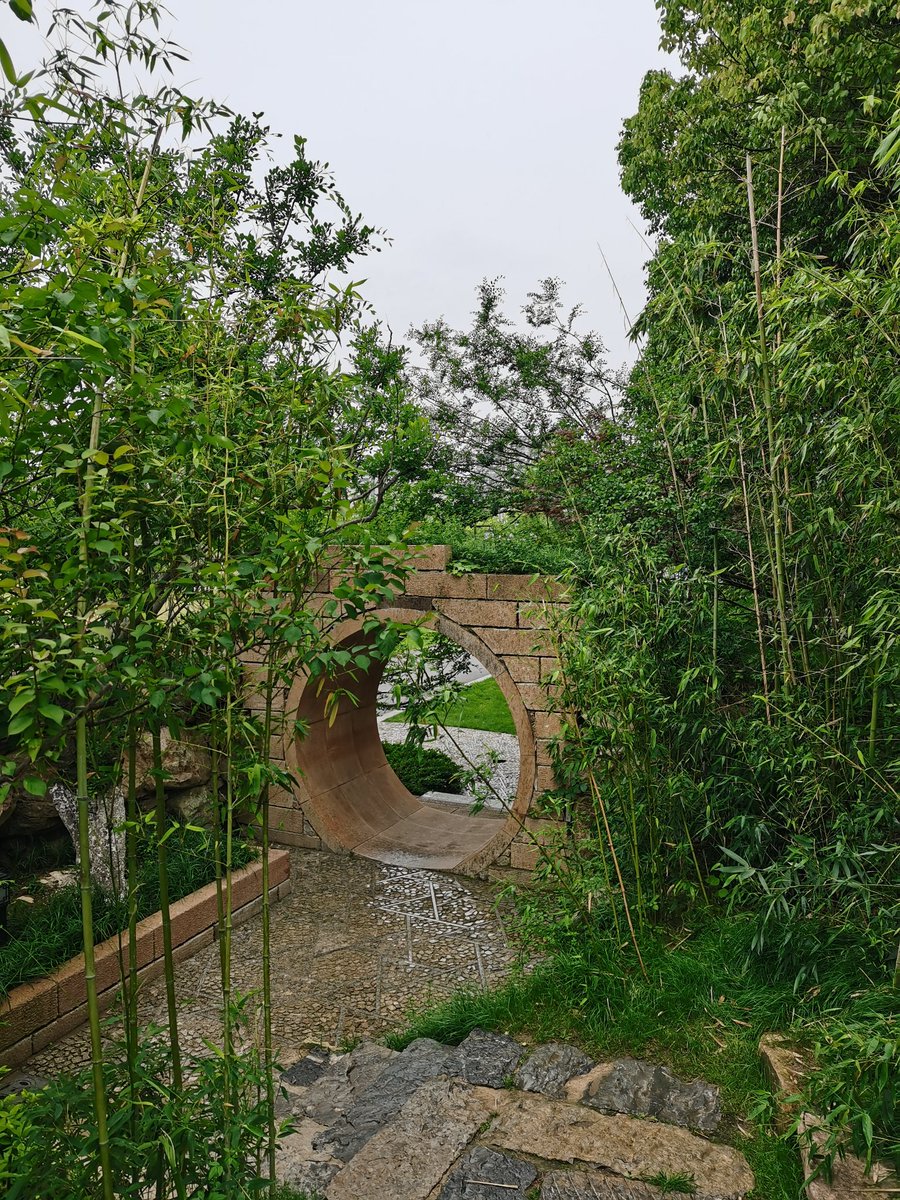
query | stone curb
(34,1015)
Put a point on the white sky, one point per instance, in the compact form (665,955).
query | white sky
(480,133)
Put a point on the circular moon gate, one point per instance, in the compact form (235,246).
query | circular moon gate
(352,797)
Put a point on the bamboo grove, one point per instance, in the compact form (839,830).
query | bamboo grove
(181,445)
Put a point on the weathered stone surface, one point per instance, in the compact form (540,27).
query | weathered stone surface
(550,1068)
(24,815)
(487,1059)
(106,833)
(422,1060)
(186,762)
(483,1174)
(299,1164)
(626,1145)
(645,1090)
(307,1069)
(194,805)
(349,1077)
(591,1185)
(410,1156)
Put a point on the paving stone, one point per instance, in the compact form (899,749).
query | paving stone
(482,1173)
(488,1059)
(422,1060)
(338,1088)
(645,1090)
(308,1069)
(550,1068)
(410,1156)
(591,1185)
(628,1146)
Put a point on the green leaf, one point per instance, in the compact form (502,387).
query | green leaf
(18,702)
(35,787)
(6,64)
(19,723)
(23,9)
(52,712)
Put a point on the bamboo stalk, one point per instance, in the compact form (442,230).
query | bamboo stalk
(165,912)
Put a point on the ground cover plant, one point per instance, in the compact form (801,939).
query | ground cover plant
(45,934)
(423,768)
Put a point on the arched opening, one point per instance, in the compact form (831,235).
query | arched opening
(355,800)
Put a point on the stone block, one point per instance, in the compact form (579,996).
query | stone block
(279,867)
(515,641)
(523,669)
(524,587)
(191,915)
(430,558)
(533,615)
(550,1067)
(17,1053)
(189,948)
(58,1029)
(523,856)
(547,724)
(489,614)
(544,780)
(535,697)
(439,585)
(27,1007)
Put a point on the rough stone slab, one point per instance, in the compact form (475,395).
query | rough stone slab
(484,1174)
(21,1081)
(550,1068)
(308,1069)
(487,1059)
(299,1164)
(337,1088)
(422,1060)
(643,1089)
(409,1157)
(786,1067)
(590,1185)
(628,1146)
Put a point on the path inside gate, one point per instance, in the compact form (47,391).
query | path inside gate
(354,947)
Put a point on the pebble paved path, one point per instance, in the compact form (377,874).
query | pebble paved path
(354,948)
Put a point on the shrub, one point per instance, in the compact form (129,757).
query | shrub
(421,769)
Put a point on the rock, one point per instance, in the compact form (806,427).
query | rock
(410,1156)
(488,1059)
(628,1146)
(338,1087)
(106,833)
(550,1068)
(644,1090)
(186,762)
(308,1069)
(30,816)
(63,878)
(482,1173)
(193,806)
(787,1068)
(591,1185)
(422,1060)
(298,1164)
(8,805)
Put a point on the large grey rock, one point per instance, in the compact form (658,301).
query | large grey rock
(627,1146)
(298,1164)
(339,1087)
(488,1059)
(645,1090)
(484,1174)
(307,1069)
(106,833)
(410,1156)
(591,1185)
(186,762)
(193,806)
(550,1068)
(422,1060)
(24,815)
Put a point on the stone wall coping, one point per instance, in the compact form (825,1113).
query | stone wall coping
(35,1014)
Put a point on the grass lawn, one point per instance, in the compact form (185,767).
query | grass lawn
(481,706)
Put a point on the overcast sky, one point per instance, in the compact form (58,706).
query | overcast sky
(480,134)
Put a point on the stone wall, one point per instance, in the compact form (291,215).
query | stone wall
(343,789)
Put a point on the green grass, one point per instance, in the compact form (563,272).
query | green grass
(701,1012)
(481,706)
